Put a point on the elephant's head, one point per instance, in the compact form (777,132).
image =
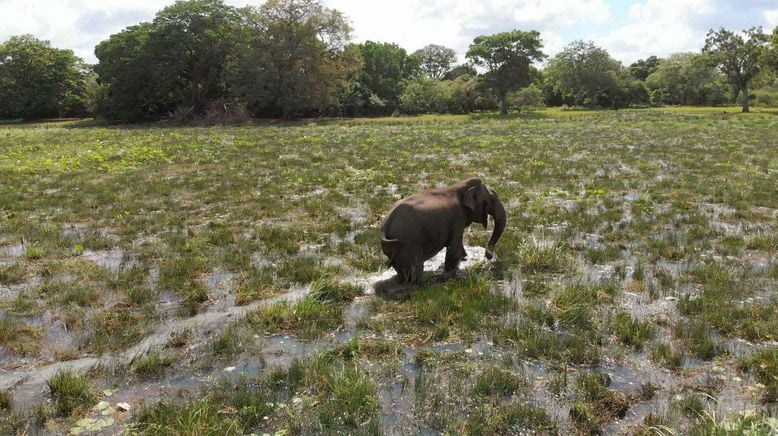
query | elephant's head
(480,202)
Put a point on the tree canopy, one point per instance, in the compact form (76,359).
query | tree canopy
(738,56)
(507,58)
(686,79)
(642,68)
(175,63)
(386,69)
(295,58)
(436,60)
(39,81)
(207,60)
(584,73)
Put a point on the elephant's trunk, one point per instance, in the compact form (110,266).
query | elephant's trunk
(498,213)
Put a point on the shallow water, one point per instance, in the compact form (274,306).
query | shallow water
(111,260)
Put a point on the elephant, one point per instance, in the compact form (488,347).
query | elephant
(419,226)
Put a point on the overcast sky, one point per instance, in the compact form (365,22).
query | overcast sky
(628,29)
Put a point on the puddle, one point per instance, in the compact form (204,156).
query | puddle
(168,303)
(396,399)
(357,215)
(29,386)
(514,288)
(349,237)
(259,261)
(74,231)
(675,268)
(598,274)
(10,292)
(280,351)
(358,311)
(16,250)
(220,284)
(108,259)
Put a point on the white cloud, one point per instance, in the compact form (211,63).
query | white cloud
(653,26)
(771,16)
(415,23)
(658,27)
(77,24)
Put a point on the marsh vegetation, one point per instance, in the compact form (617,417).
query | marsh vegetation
(230,280)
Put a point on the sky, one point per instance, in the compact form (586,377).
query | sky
(628,29)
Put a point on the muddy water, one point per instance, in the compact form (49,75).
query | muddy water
(220,284)
(112,260)
(397,394)
(27,386)
(16,250)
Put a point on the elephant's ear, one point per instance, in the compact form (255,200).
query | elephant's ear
(475,200)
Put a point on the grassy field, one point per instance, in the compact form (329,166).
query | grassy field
(229,280)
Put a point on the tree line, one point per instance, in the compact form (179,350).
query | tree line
(295,58)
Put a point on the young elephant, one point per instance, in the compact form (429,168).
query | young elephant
(419,226)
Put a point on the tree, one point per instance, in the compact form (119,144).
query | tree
(642,68)
(738,56)
(686,79)
(507,57)
(296,59)
(386,68)
(771,56)
(585,74)
(192,42)
(175,63)
(436,60)
(127,76)
(40,81)
(425,96)
(531,97)
(464,70)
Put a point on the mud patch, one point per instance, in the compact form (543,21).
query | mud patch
(112,260)
(220,285)
(16,250)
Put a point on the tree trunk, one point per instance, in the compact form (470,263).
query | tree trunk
(745,98)
(503,104)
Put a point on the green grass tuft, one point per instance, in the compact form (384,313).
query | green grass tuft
(632,332)
(71,393)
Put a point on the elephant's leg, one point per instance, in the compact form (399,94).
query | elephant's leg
(455,251)
(452,260)
(410,265)
(417,271)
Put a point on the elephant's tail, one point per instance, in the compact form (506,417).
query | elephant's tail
(390,247)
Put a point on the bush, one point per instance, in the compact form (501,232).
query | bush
(226,112)
(766,98)
(529,97)
(424,96)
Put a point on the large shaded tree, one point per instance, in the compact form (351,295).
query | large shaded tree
(127,75)
(738,56)
(772,54)
(507,58)
(385,71)
(175,63)
(686,79)
(436,60)
(642,68)
(40,81)
(463,70)
(192,42)
(295,60)
(585,74)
